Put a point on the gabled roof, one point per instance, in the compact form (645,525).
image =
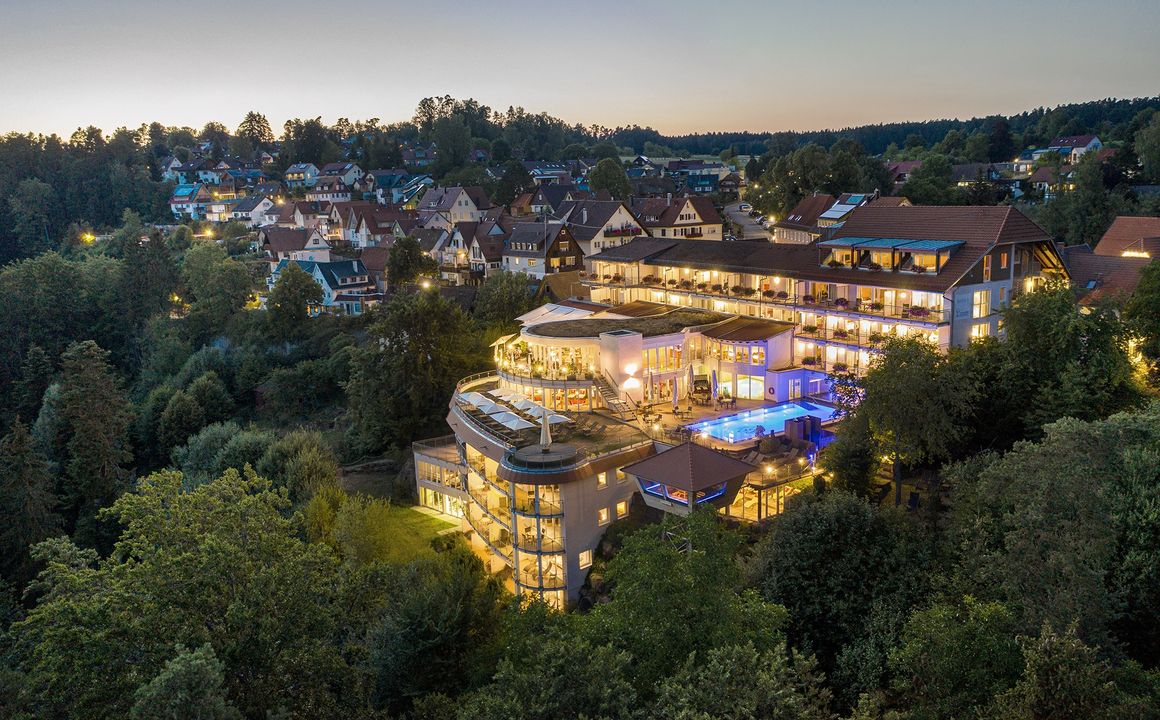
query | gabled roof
(1131,233)
(1101,277)
(1072,141)
(337,168)
(375,259)
(665,212)
(585,227)
(429,238)
(250,204)
(552,195)
(805,214)
(534,239)
(689,467)
(283,240)
(301,167)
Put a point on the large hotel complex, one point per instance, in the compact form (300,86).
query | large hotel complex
(696,374)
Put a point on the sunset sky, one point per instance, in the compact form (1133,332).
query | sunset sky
(678,66)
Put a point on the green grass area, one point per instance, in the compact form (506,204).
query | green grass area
(411,533)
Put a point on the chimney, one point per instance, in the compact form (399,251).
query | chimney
(669,199)
(584,216)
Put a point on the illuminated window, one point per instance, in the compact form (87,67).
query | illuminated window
(620,476)
(981,304)
(601,480)
(1002,261)
(621,509)
(980,330)
(602,516)
(585,559)
(986,268)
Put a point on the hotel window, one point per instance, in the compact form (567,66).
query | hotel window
(601,480)
(986,270)
(1002,261)
(980,330)
(620,476)
(981,304)
(621,509)
(602,516)
(585,559)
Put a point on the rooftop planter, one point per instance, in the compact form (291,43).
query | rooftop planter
(769,294)
(672,283)
(686,285)
(716,287)
(737,289)
(873,267)
(836,264)
(702,286)
(651,280)
(842,302)
(749,292)
(919,269)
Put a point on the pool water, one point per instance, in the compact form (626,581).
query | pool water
(743,426)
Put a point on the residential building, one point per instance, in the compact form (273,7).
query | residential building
(328,189)
(300,175)
(444,207)
(485,253)
(190,202)
(599,224)
(251,211)
(347,286)
(1071,148)
(1131,236)
(800,226)
(280,243)
(683,217)
(1098,278)
(540,248)
(349,173)
(939,272)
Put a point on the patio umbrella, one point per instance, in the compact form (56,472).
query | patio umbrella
(504,394)
(526,404)
(689,383)
(511,421)
(475,398)
(676,398)
(555,419)
(713,384)
(648,385)
(545,431)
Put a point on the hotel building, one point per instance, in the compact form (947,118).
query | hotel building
(680,322)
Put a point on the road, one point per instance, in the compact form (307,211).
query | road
(750,230)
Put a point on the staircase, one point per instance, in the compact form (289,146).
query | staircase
(611,400)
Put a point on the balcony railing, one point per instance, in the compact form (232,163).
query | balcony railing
(623,232)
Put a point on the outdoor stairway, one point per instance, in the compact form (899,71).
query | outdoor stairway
(611,400)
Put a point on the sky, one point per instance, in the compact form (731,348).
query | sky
(679,66)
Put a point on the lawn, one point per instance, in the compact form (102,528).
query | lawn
(411,533)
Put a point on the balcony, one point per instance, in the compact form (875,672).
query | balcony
(623,232)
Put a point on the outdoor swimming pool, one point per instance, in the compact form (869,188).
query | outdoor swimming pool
(743,426)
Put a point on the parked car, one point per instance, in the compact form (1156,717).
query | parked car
(730,238)
(759,219)
(744,207)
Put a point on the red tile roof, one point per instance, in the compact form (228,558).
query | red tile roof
(1099,277)
(1131,233)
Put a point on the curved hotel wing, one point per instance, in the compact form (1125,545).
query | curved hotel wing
(720,344)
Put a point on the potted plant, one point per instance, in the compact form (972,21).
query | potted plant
(919,269)
(716,287)
(749,292)
(808,299)
(919,312)
(702,286)
(617,278)
(809,361)
(607,277)
(836,263)
(686,284)
(876,337)
(768,294)
(875,306)
(672,283)
(782,295)
(842,302)
(582,274)
(873,266)
(841,334)
(841,367)
(809,329)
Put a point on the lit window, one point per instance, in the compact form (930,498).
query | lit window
(986,268)
(620,476)
(981,304)
(980,330)
(585,559)
(621,509)
(601,480)
(602,516)
(1002,261)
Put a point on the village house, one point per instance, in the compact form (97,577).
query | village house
(800,226)
(300,175)
(347,286)
(349,173)
(190,202)
(444,207)
(279,243)
(540,248)
(684,217)
(329,189)
(599,224)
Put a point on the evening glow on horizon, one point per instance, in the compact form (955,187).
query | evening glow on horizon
(676,66)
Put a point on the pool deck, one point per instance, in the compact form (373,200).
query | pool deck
(668,421)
